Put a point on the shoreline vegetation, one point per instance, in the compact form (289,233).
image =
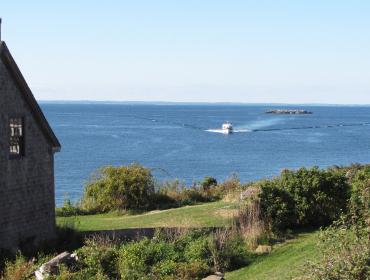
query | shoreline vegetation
(306,223)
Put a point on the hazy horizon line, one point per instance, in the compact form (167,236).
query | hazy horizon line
(87,101)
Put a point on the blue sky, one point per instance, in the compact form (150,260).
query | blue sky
(297,51)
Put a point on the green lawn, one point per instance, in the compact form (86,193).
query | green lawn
(202,215)
(285,262)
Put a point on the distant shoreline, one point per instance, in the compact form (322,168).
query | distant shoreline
(174,103)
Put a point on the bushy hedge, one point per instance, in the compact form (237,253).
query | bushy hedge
(134,188)
(345,252)
(21,268)
(345,245)
(178,255)
(360,197)
(124,187)
(277,206)
(304,198)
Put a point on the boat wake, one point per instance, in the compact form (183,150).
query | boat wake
(223,131)
(242,130)
(260,124)
(313,127)
(291,128)
(255,126)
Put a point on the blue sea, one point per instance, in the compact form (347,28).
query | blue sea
(183,141)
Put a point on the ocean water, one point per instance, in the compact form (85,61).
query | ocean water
(183,141)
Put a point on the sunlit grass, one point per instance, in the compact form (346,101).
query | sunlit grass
(285,262)
(203,215)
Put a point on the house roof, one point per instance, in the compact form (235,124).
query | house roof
(13,69)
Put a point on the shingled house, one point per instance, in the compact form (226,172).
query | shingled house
(27,147)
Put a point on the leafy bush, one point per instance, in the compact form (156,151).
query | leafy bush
(304,198)
(69,209)
(125,187)
(169,255)
(83,274)
(133,187)
(19,269)
(345,251)
(320,196)
(161,201)
(231,186)
(140,260)
(196,250)
(176,194)
(99,256)
(208,183)
(277,206)
(191,271)
(360,197)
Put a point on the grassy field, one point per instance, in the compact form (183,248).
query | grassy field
(285,262)
(202,215)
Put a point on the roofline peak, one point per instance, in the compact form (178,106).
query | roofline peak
(8,60)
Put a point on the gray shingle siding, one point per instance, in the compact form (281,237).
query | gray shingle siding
(27,206)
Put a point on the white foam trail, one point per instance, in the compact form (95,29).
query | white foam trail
(223,132)
(259,124)
(216,131)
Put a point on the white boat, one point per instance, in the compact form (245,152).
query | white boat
(227,128)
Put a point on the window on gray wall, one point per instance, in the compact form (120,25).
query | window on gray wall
(16,145)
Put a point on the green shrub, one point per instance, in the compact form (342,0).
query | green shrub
(345,251)
(141,260)
(320,196)
(345,245)
(192,196)
(176,194)
(164,269)
(191,271)
(133,187)
(83,274)
(231,185)
(277,206)
(208,183)
(79,274)
(161,201)
(169,255)
(196,250)
(69,209)
(99,256)
(190,255)
(19,269)
(126,187)
(360,197)
(304,198)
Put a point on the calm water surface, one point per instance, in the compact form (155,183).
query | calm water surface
(181,141)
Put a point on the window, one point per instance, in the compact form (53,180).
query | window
(16,145)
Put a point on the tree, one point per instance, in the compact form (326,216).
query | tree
(124,187)
(208,183)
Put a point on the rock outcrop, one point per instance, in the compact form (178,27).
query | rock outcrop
(52,266)
(216,276)
(263,249)
(289,112)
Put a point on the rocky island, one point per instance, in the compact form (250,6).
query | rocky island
(289,112)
